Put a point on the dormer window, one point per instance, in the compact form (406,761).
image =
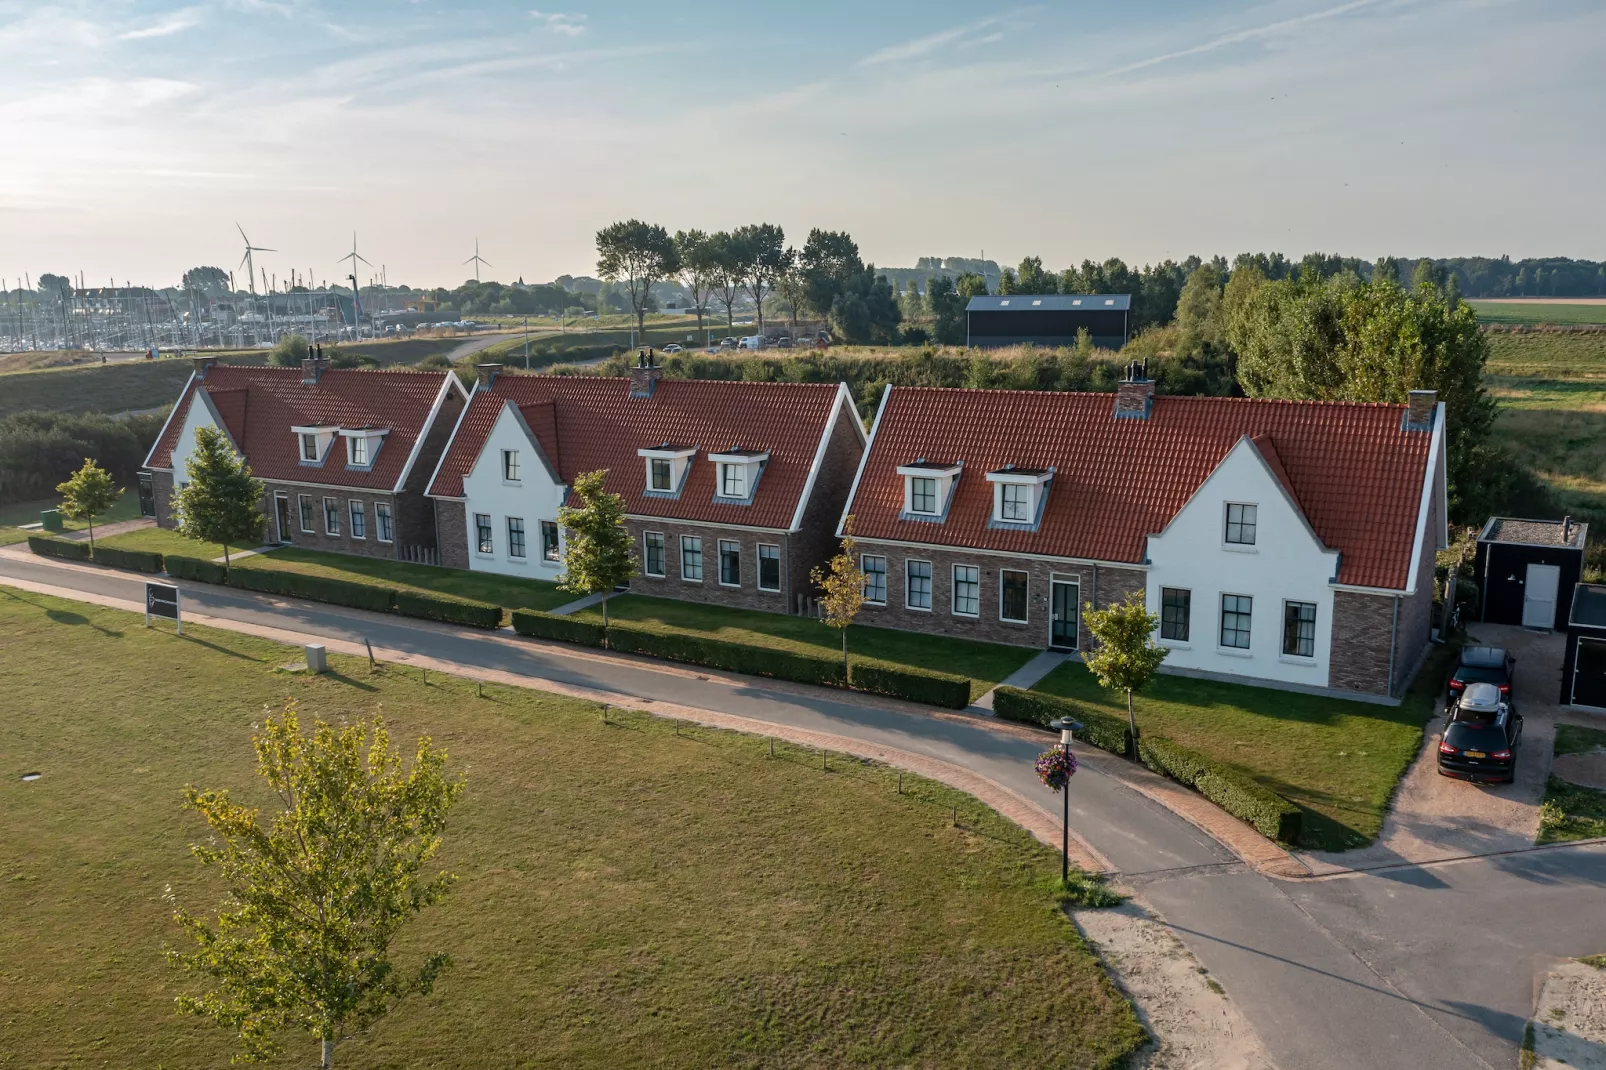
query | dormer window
(658,477)
(667,466)
(359,451)
(923,495)
(309,448)
(733,480)
(927,488)
(1018,495)
(362,445)
(313,442)
(737,473)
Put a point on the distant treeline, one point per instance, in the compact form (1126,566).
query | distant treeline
(40,449)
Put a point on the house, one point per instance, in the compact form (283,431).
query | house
(731,489)
(993,320)
(345,453)
(1525,570)
(1281,542)
(1583,667)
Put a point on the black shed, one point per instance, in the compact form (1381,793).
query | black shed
(1047,319)
(1583,667)
(1526,570)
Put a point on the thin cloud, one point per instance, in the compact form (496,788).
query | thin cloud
(923,46)
(1254,33)
(177,22)
(561,22)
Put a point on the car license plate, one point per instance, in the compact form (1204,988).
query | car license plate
(1476,754)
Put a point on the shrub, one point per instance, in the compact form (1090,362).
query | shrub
(540,625)
(1034,707)
(66,549)
(909,682)
(448,608)
(195,568)
(135,560)
(314,588)
(677,645)
(1233,791)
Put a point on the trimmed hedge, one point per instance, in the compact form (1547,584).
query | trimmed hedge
(448,608)
(1034,707)
(1235,792)
(910,682)
(195,568)
(677,645)
(135,560)
(314,588)
(66,549)
(540,625)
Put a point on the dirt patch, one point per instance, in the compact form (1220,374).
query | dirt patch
(1569,1025)
(1587,769)
(1195,1024)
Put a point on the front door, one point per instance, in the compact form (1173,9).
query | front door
(1064,596)
(1589,673)
(147,495)
(1539,596)
(281,508)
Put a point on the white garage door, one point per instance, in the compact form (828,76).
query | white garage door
(1539,596)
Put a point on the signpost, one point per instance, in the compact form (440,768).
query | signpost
(161,599)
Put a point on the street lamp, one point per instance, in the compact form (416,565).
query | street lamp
(1067,730)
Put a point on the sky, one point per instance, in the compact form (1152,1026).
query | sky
(139,134)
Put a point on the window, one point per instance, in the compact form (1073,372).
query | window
(730,563)
(515,536)
(1236,609)
(384,529)
(482,533)
(305,502)
(1015,502)
(359,519)
(691,558)
(309,447)
(1175,608)
(922,495)
(510,465)
(331,516)
(769,567)
(917,584)
(1299,629)
(653,544)
(660,473)
(1012,595)
(1240,524)
(967,590)
(359,450)
(550,550)
(875,579)
(733,481)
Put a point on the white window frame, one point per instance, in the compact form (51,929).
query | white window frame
(916,486)
(931,583)
(646,555)
(511,472)
(866,573)
(331,511)
(1028,599)
(309,438)
(657,466)
(1026,505)
(357,517)
(555,551)
(1253,524)
(942,486)
(732,480)
(355,445)
(489,531)
(686,542)
(305,515)
(759,559)
(719,549)
(734,469)
(522,542)
(1221,625)
(953,595)
(384,520)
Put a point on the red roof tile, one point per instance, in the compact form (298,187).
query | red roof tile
(1356,475)
(260,405)
(588,422)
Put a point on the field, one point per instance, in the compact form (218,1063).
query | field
(127,508)
(1552,394)
(1585,310)
(627,895)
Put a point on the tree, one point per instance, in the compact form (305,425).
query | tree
(87,494)
(762,255)
(600,554)
(1125,656)
(841,585)
(790,285)
(220,503)
(947,311)
(212,281)
(1386,269)
(1032,279)
(866,311)
(317,895)
(1199,310)
(970,285)
(829,258)
(727,272)
(699,268)
(290,351)
(639,254)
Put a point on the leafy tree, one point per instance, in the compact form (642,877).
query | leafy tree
(947,310)
(1032,279)
(970,285)
(212,281)
(290,351)
(87,494)
(1386,269)
(1125,656)
(638,254)
(762,253)
(829,258)
(316,896)
(790,285)
(54,286)
(220,503)
(1007,283)
(866,311)
(699,268)
(1199,316)
(841,585)
(1427,274)
(725,258)
(600,554)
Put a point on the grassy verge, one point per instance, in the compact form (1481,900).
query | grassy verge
(164,541)
(127,508)
(1339,761)
(627,896)
(1536,312)
(506,591)
(1552,394)
(127,387)
(985,663)
(1571,811)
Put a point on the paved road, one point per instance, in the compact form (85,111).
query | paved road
(1412,967)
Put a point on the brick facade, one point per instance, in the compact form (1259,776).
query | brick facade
(318,538)
(745,596)
(1363,634)
(816,542)
(451,532)
(162,492)
(415,513)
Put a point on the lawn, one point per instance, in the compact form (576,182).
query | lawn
(985,663)
(1552,394)
(127,387)
(1572,811)
(127,508)
(165,541)
(1537,312)
(507,591)
(627,896)
(1338,760)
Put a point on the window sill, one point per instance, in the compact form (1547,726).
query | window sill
(1234,652)
(967,616)
(1240,548)
(917,609)
(770,590)
(874,605)
(685,580)
(512,482)
(653,576)
(517,560)
(1176,644)
(1297,659)
(730,586)
(388,542)
(1012,620)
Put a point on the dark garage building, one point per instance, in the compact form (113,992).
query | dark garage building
(1047,319)
(1526,570)
(1583,667)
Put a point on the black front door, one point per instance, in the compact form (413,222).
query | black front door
(1589,673)
(147,495)
(1062,614)
(282,508)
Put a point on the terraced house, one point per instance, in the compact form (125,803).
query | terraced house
(1290,543)
(731,489)
(345,453)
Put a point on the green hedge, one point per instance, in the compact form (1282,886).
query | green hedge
(1235,792)
(1034,707)
(910,682)
(314,588)
(448,608)
(195,568)
(677,645)
(66,549)
(136,560)
(540,625)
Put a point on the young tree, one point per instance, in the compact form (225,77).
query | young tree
(970,285)
(220,503)
(87,494)
(727,272)
(1125,656)
(1032,279)
(841,585)
(762,253)
(317,895)
(638,254)
(699,268)
(947,311)
(290,351)
(600,554)
(792,288)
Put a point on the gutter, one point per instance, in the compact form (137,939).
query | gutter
(1394,635)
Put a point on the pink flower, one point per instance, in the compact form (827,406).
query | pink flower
(1055,767)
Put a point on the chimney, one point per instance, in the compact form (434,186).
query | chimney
(312,368)
(1419,410)
(1134,396)
(485,374)
(645,375)
(1567,530)
(203,365)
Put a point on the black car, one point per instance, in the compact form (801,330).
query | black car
(1482,665)
(1480,742)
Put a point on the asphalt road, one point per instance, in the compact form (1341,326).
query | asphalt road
(1410,967)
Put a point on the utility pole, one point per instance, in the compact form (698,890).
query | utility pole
(526,343)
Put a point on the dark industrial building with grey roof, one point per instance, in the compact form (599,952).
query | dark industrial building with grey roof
(1047,319)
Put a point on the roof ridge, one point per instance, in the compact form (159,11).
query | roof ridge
(1196,398)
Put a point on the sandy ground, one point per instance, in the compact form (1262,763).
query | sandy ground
(1588,768)
(1196,1026)
(1569,1025)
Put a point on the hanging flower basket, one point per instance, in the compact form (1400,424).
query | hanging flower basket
(1056,767)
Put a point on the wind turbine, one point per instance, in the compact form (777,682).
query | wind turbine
(247,261)
(354,257)
(476,260)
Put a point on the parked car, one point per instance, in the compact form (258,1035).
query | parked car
(672,347)
(783,342)
(1482,664)
(1480,742)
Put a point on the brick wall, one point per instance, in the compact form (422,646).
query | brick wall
(816,542)
(747,596)
(415,514)
(162,486)
(1416,612)
(1363,630)
(317,539)
(451,532)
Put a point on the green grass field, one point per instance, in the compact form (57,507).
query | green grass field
(1536,312)
(627,896)
(127,508)
(163,541)
(1337,760)
(126,387)
(1571,811)
(506,591)
(1552,394)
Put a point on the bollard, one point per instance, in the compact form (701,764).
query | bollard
(900,783)
(772,746)
(370,647)
(317,658)
(479,689)
(425,671)
(823,767)
(956,817)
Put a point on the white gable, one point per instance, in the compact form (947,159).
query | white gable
(200,414)
(534,497)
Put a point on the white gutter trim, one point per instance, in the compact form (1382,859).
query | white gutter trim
(864,458)
(423,432)
(842,398)
(1136,566)
(174,412)
(433,476)
(646,518)
(1429,478)
(329,486)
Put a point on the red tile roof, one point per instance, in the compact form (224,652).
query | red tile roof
(584,423)
(1355,473)
(260,405)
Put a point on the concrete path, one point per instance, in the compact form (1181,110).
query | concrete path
(577,605)
(1024,677)
(483,342)
(106,531)
(235,555)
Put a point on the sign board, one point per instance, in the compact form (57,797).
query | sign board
(161,600)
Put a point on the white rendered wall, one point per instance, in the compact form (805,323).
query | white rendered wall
(536,497)
(1285,564)
(197,417)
